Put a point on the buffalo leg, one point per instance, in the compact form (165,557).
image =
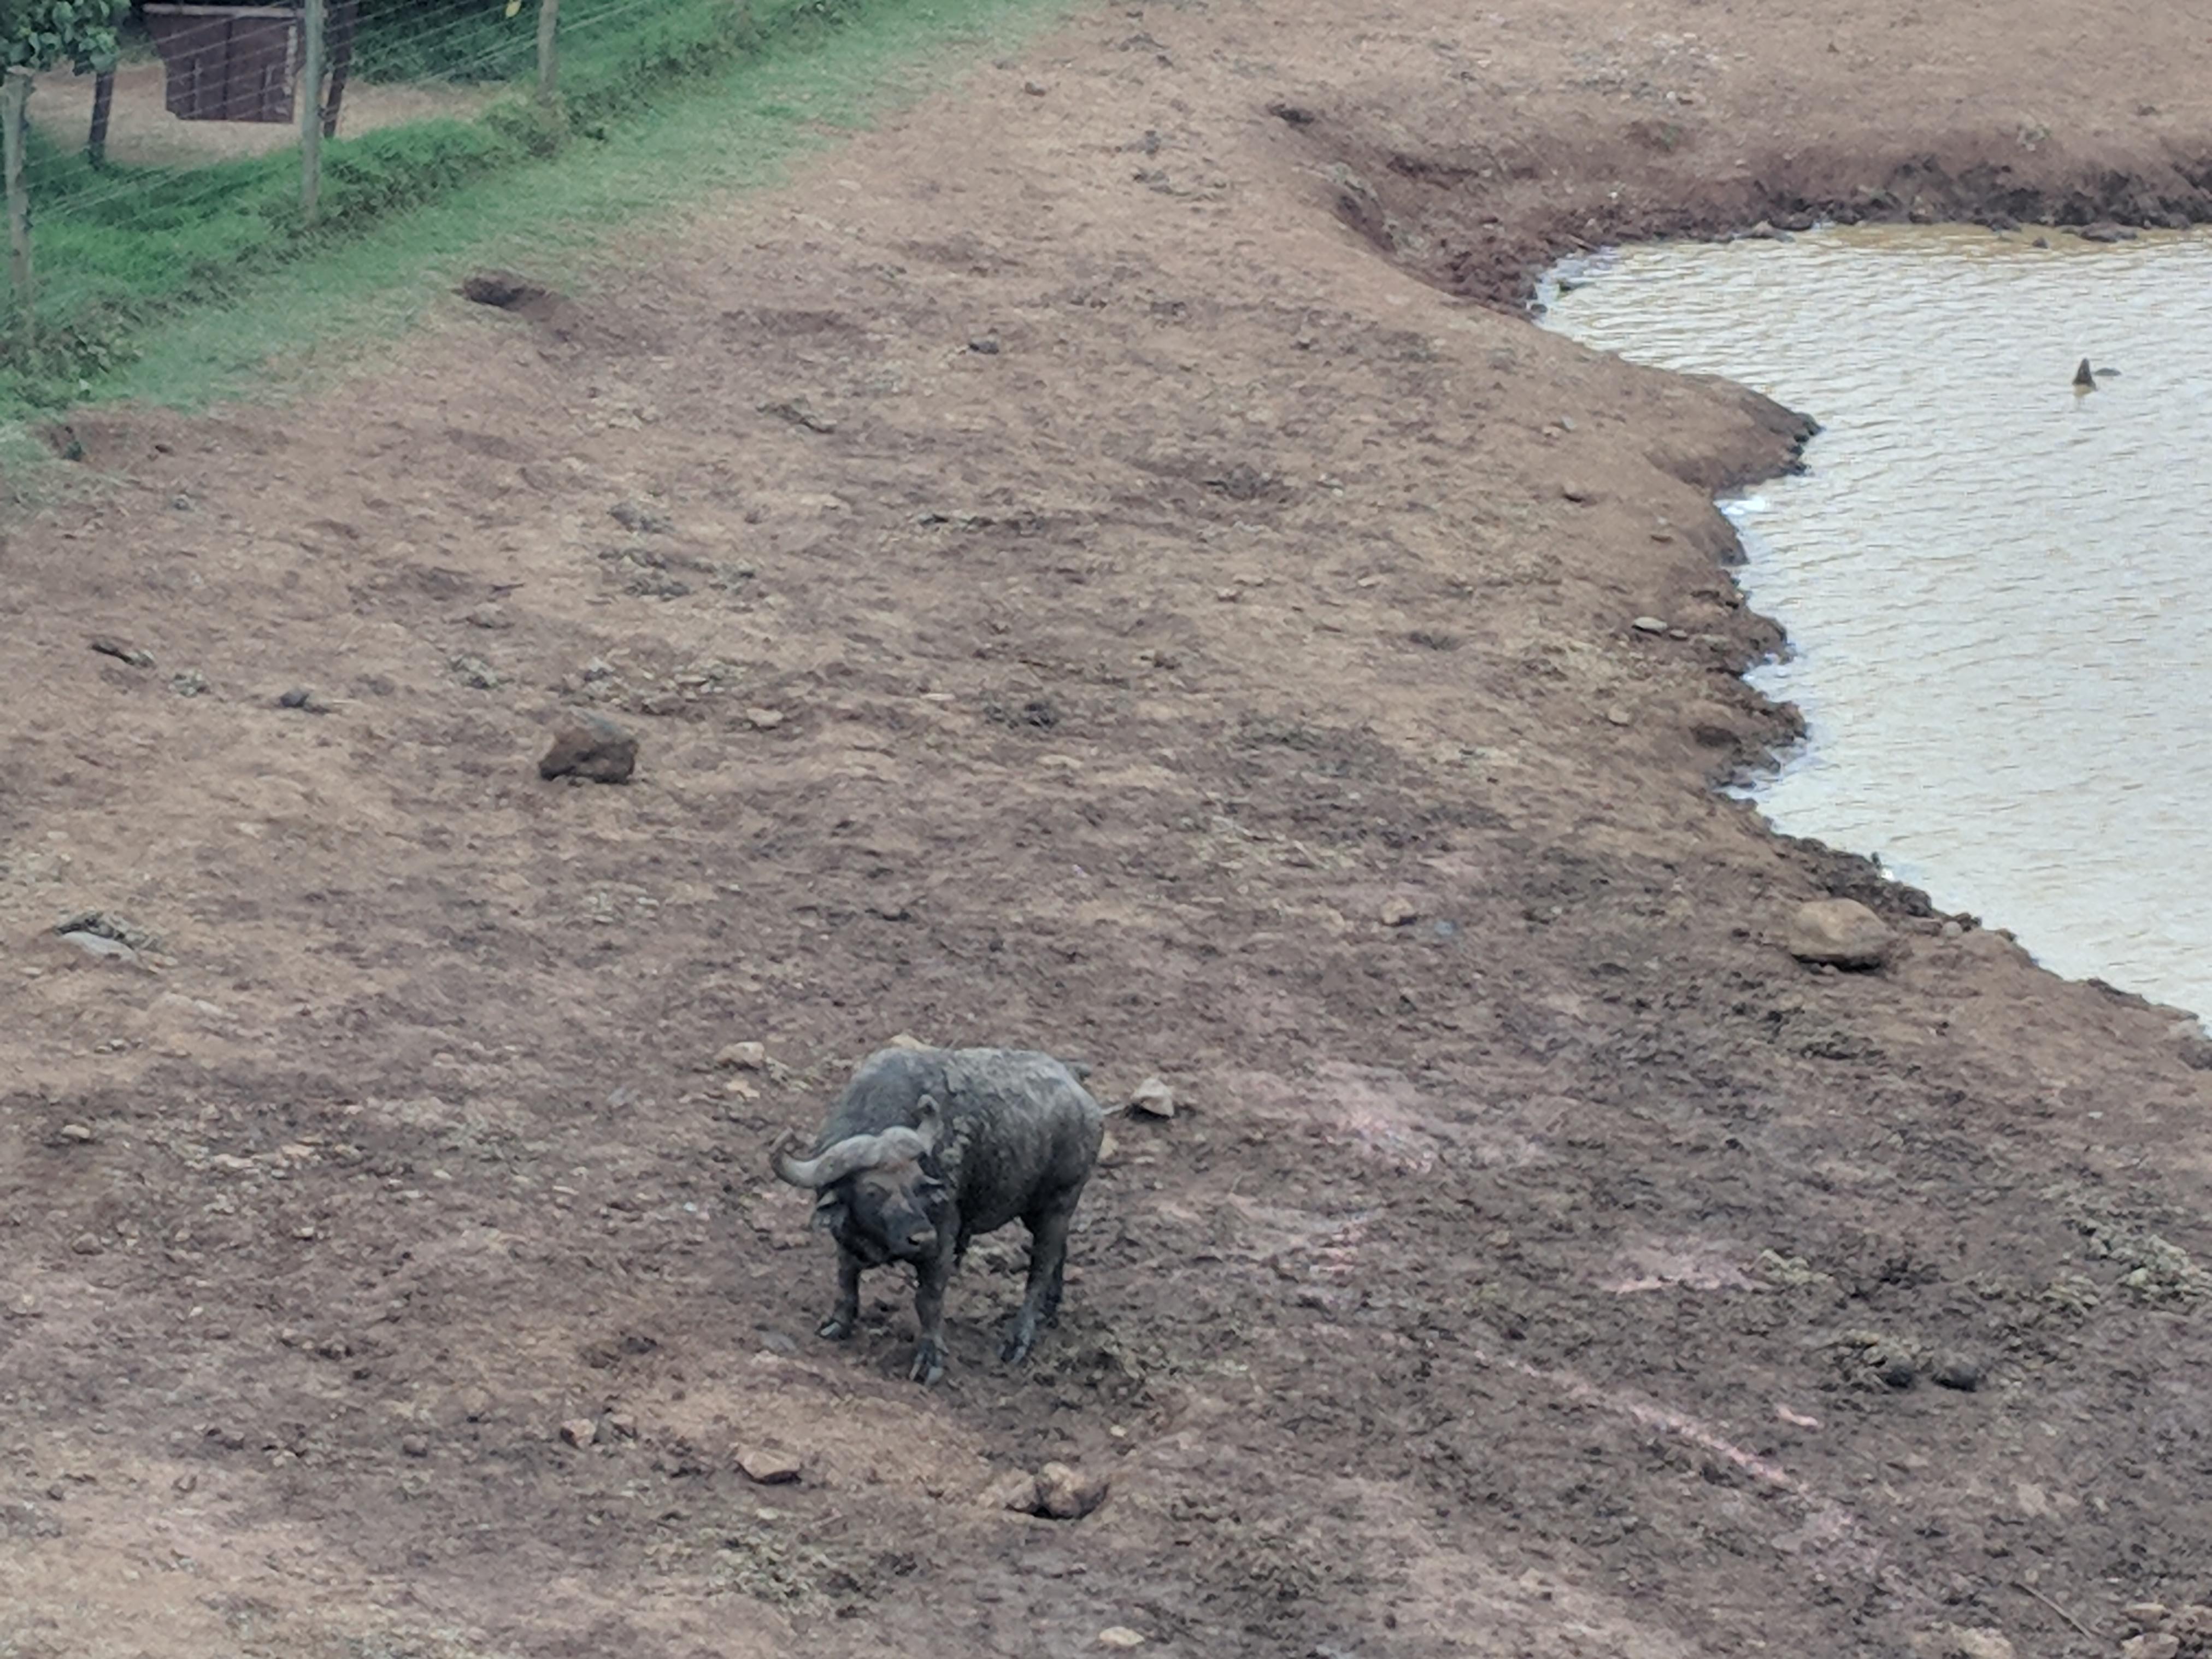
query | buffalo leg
(1048,1256)
(930,1277)
(1050,1312)
(846,1314)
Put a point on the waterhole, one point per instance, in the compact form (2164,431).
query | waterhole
(1997,589)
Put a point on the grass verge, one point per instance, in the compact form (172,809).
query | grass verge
(182,286)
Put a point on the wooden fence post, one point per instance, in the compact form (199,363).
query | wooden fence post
(311,111)
(549,51)
(103,104)
(14,104)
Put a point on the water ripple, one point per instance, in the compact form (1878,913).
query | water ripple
(1998,593)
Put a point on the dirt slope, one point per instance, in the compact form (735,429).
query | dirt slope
(1071,587)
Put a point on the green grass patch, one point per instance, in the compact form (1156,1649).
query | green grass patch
(180,285)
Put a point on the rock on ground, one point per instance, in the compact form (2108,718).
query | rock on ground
(1840,934)
(591,746)
(1069,1494)
(1016,1490)
(1153,1098)
(766,1467)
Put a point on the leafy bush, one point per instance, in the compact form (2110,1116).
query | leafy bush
(41,34)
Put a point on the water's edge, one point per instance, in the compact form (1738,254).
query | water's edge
(1797,777)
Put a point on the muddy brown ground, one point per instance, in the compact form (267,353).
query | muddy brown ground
(1521,1280)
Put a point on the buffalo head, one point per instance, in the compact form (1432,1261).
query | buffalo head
(881,1196)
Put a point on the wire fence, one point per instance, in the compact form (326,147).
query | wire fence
(437,94)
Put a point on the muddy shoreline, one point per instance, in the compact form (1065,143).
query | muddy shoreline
(1076,592)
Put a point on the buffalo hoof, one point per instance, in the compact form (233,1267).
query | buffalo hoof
(836,1327)
(1016,1348)
(928,1364)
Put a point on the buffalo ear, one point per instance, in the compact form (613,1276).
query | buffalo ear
(929,1122)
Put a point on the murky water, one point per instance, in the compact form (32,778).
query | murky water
(1998,593)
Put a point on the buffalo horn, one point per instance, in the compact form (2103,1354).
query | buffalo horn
(853,1153)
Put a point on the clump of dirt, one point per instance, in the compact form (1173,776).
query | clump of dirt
(504,290)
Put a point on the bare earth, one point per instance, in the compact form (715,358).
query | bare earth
(1564,1271)
(141,131)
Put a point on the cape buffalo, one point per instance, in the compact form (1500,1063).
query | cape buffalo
(926,1148)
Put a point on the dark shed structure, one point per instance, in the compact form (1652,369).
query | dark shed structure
(228,63)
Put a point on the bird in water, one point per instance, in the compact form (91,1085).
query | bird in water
(2085,379)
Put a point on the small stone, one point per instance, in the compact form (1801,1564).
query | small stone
(984,345)
(1119,1636)
(2145,1616)
(304,700)
(122,652)
(1619,716)
(2105,231)
(1952,929)
(413,1445)
(623,1424)
(2151,1644)
(1035,89)
(1838,932)
(86,1244)
(768,1468)
(1896,1372)
(1153,1098)
(1108,1147)
(1398,912)
(1979,1643)
(99,945)
(1649,625)
(580,1431)
(2196,1054)
(591,746)
(1961,1374)
(1068,1494)
(1576,492)
(764,719)
(489,617)
(906,1040)
(186,1483)
(303,1232)
(190,684)
(76,1132)
(475,672)
(743,1057)
(1016,1490)
(637,516)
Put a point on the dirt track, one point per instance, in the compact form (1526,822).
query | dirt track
(1519,1280)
